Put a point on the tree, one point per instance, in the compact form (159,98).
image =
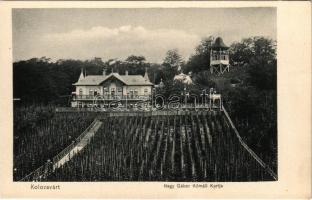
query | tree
(255,50)
(135,59)
(136,64)
(258,55)
(172,64)
(155,73)
(205,46)
(201,59)
(204,79)
(173,59)
(264,51)
(263,75)
(241,52)
(97,61)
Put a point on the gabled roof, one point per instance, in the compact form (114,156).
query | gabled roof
(116,75)
(126,79)
(90,80)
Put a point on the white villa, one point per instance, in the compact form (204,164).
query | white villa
(102,89)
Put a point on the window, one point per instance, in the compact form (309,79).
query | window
(95,93)
(120,89)
(112,91)
(90,92)
(105,90)
(80,91)
(131,93)
(136,92)
(145,91)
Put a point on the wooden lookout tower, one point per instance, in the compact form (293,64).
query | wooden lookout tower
(219,57)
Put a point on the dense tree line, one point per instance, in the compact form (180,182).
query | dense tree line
(39,80)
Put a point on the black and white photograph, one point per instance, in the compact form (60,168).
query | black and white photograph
(155,99)
(145,94)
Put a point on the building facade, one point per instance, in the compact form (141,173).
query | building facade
(100,90)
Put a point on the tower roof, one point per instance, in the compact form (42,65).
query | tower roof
(146,76)
(219,44)
(81,75)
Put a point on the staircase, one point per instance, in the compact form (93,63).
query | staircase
(79,146)
(65,155)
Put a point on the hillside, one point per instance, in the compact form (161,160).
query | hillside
(192,147)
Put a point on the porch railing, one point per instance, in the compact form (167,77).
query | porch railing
(111,97)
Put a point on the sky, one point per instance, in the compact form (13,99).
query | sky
(117,33)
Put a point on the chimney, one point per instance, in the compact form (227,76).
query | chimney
(126,72)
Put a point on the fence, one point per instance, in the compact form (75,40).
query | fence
(154,113)
(251,152)
(166,109)
(111,97)
(47,168)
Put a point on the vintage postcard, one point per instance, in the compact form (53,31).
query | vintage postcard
(155,99)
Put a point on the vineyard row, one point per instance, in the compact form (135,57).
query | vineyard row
(195,147)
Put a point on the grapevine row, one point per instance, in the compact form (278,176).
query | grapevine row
(163,148)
